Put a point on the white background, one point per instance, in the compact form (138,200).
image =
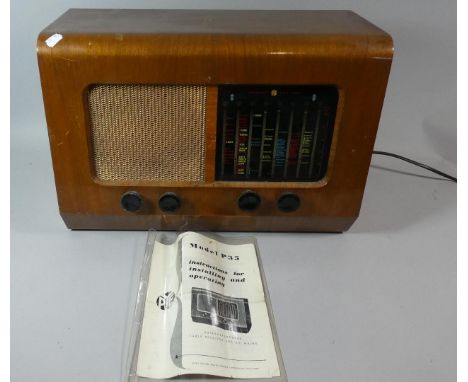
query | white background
(380,300)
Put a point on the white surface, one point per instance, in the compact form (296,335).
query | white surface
(379,301)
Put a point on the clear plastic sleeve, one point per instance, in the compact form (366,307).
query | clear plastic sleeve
(129,373)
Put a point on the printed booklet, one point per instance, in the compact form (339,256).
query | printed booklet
(204,310)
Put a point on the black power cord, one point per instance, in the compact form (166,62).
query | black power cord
(422,165)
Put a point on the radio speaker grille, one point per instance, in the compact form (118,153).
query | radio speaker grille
(148,132)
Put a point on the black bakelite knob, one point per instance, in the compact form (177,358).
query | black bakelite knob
(169,202)
(249,201)
(289,202)
(131,201)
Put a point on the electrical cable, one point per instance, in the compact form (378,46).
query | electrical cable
(413,162)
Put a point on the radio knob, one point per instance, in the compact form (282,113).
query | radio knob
(249,201)
(169,202)
(289,202)
(131,201)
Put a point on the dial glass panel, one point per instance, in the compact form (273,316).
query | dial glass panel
(274,133)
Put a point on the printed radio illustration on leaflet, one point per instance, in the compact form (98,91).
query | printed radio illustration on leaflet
(229,313)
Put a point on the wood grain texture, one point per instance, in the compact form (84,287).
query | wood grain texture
(211,48)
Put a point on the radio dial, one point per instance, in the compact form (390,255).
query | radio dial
(289,202)
(131,201)
(169,202)
(249,201)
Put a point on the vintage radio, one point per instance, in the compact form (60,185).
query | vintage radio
(212,120)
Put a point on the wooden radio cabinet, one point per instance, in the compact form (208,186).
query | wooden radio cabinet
(210,119)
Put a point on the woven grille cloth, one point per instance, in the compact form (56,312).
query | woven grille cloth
(148,132)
